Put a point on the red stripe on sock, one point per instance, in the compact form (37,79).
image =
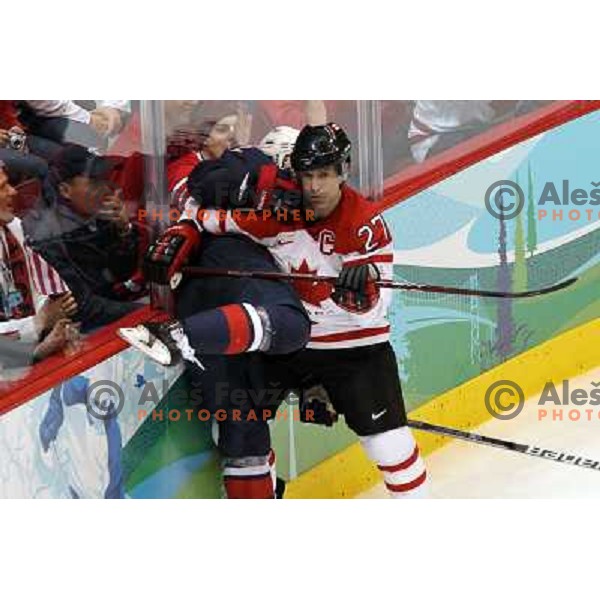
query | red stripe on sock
(239,326)
(406,487)
(403,465)
(255,487)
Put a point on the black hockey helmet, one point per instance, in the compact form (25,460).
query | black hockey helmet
(320,146)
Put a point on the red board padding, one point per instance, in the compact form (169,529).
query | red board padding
(97,347)
(416,178)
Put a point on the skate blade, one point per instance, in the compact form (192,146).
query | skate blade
(158,352)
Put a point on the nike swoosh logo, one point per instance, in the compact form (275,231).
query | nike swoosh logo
(284,243)
(378,415)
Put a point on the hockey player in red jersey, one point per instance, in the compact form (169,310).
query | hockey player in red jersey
(349,360)
(349,353)
(348,367)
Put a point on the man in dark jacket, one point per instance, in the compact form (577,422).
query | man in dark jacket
(86,235)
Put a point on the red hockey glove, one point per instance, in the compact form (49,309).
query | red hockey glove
(275,191)
(170,252)
(356,289)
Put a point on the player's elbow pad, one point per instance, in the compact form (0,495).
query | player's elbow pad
(290,329)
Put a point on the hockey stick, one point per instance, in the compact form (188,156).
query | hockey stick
(484,440)
(384,283)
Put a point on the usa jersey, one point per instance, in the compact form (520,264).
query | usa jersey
(353,234)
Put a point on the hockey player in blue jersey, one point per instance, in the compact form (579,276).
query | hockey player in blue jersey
(226,326)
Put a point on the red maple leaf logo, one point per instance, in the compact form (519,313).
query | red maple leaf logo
(313,292)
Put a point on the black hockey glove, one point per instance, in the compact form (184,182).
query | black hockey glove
(356,289)
(316,407)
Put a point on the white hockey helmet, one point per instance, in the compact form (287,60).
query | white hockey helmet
(279,143)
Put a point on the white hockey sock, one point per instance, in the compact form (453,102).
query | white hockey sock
(397,456)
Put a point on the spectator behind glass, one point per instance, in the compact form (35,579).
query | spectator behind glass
(127,145)
(213,140)
(32,324)
(88,238)
(437,125)
(54,123)
(15,151)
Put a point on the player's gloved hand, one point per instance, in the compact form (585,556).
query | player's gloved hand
(356,289)
(316,407)
(276,190)
(171,252)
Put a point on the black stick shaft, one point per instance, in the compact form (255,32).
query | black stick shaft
(395,285)
(567,458)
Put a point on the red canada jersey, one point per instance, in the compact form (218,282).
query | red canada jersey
(354,233)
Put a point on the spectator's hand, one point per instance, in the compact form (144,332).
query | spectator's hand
(68,304)
(55,341)
(54,310)
(242,126)
(3,138)
(99,122)
(113,209)
(316,112)
(111,118)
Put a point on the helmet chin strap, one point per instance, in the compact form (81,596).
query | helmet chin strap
(345,174)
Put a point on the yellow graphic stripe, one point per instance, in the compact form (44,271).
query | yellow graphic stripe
(350,473)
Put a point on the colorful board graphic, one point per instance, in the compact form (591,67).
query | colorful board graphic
(53,447)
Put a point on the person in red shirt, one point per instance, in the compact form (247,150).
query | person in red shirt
(35,303)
